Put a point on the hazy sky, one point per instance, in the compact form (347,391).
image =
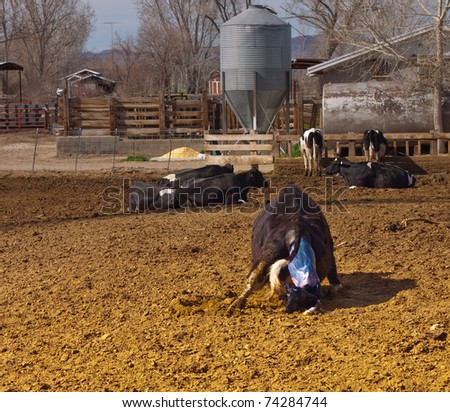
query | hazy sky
(122,14)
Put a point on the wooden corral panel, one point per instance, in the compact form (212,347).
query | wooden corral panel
(239,149)
(90,115)
(157,116)
(137,116)
(294,119)
(185,114)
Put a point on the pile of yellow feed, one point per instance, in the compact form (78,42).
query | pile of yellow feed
(182,153)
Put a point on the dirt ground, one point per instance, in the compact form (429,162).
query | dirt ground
(95,299)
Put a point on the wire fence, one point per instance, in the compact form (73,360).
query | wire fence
(43,150)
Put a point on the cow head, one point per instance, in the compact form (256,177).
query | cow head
(229,167)
(302,299)
(255,178)
(333,167)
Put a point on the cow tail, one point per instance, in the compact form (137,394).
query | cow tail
(274,276)
(310,141)
(279,265)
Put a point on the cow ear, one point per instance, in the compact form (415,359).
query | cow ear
(255,167)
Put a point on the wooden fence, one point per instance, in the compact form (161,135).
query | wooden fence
(155,117)
(398,143)
(349,144)
(249,148)
(201,116)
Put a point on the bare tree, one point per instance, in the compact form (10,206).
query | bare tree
(180,38)
(7,34)
(438,11)
(131,67)
(326,17)
(224,10)
(377,25)
(51,34)
(8,28)
(379,28)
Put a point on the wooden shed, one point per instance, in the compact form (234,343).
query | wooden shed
(88,83)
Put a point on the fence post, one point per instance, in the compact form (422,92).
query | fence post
(114,151)
(170,149)
(78,149)
(205,111)
(162,114)
(35,150)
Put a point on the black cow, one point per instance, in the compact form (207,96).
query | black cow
(186,175)
(279,232)
(374,145)
(144,197)
(376,175)
(311,146)
(225,189)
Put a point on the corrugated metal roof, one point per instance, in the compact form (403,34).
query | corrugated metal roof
(84,74)
(319,68)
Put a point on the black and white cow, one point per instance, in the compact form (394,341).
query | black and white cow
(374,145)
(311,146)
(278,234)
(186,175)
(146,197)
(225,189)
(375,175)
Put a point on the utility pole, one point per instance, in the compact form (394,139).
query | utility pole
(112,23)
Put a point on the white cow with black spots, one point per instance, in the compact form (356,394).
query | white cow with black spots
(311,146)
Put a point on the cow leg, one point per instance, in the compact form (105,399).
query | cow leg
(254,283)
(305,161)
(318,168)
(333,278)
(309,168)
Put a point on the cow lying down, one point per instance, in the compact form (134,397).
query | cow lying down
(292,250)
(376,175)
(184,176)
(225,189)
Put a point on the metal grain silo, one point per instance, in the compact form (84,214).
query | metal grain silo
(255,60)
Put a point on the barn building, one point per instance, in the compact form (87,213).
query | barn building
(362,89)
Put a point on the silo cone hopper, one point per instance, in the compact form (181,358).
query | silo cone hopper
(255,59)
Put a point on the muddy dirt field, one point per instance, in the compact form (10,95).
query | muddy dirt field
(94,299)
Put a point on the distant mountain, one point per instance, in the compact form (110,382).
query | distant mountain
(302,47)
(97,55)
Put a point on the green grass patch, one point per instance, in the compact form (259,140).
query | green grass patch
(136,159)
(295,151)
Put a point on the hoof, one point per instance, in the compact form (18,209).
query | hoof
(237,304)
(313,310)
(334,289)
